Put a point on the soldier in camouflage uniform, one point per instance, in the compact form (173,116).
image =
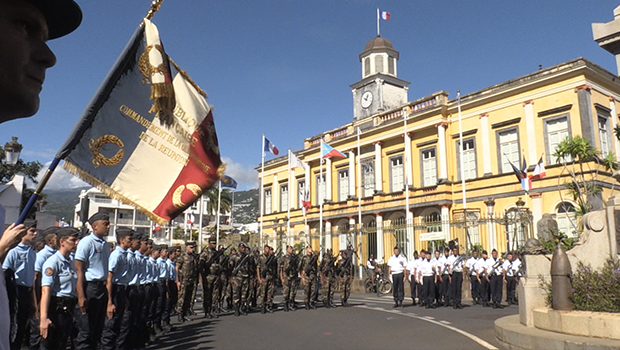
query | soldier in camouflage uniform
(254,286)
(187,272)
(308,270)
(345,274)
(240,276)
(224,288)
(289,276)
(275,278)
(210,274)
(265,271)
(328,278)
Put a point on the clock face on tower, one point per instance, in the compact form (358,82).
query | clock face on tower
(366,99)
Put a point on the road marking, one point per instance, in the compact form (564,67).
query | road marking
(445,322)
(439,323)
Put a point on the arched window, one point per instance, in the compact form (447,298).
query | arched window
(567,219)
(366,66)
(379,64)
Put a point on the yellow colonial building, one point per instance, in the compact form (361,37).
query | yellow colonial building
(402,174)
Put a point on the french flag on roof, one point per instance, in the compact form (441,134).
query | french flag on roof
(270,147)
(328,151)
(385,15)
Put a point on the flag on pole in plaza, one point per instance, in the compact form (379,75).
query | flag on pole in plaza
(305,202)
(328,151)
(147,137)
(191,219)
(296,162)
(539,170)
(228,181)
(385,15)
(521,175)
(270,147)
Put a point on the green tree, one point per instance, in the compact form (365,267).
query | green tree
(582,162)
(212,195)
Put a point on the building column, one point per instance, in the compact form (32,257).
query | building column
(614,123)
(328,179)
(528,106)
(352,175)
(380,249)
(378,168)
(492,236)
(275,239)
(275,195)
(486,144)
(445,221)
(537,211)
(408,161)
(328,234)
(441,152)
(354,234)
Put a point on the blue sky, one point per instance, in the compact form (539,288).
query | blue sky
(284,67)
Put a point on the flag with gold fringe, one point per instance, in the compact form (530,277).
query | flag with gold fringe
(147,137)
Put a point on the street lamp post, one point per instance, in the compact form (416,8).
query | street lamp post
(12,150)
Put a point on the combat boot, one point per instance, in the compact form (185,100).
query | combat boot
(263,309)
(237,312)
(293,306)
(331,304)
(270,308)
(181,318)
(244,310)
(208,313)
(286,306)
(327,304)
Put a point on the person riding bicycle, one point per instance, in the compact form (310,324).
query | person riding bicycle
(373,267)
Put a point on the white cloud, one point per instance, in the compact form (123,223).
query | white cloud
(61,179)
(245,176)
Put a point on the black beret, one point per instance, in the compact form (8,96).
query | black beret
(124,231)
(190,244)
(98,216)
(30,223)
(68,231)
(212,240)
(50,230)
(62,16)
(163,246)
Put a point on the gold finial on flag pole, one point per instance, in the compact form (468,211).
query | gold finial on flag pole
(155,5)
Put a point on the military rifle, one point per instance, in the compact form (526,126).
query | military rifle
(263,273)
(215,256)
(312,262)
(292,264)
(243,261)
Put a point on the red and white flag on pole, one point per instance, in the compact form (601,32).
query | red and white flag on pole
(385,15)
(539,170)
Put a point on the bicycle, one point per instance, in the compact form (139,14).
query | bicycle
(382,285)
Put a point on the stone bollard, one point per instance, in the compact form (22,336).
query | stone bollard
(560,279)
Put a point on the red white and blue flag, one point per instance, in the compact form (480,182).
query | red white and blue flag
(328,151)
(385,15)
(305,202)
(147,138)
(539,170)
(521,174)
(270,147)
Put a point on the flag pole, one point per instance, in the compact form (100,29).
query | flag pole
(458,96)
(288,193)
(217,223)
(262,193)
(321,182)
(359,199)
(232,208)
(200,223)
(37,193)
(155,5)
(378,30)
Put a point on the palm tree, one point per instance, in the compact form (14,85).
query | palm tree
(212,195)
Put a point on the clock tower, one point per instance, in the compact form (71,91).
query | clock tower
(380,89)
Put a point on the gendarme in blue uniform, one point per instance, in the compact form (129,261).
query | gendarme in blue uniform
(118,265)
(59,274)
(95,253)
(42,257)
(21,260)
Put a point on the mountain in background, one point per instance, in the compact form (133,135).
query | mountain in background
(61,203)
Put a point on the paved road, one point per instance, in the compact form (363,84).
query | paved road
(371,323)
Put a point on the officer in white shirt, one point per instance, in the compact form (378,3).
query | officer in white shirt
(510,278)
(483,278)
(396,269)
(456,278)
(412,267)
(373,268)
(496,273)
(427,278)
(472,274)
(444,282)
(438,268)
